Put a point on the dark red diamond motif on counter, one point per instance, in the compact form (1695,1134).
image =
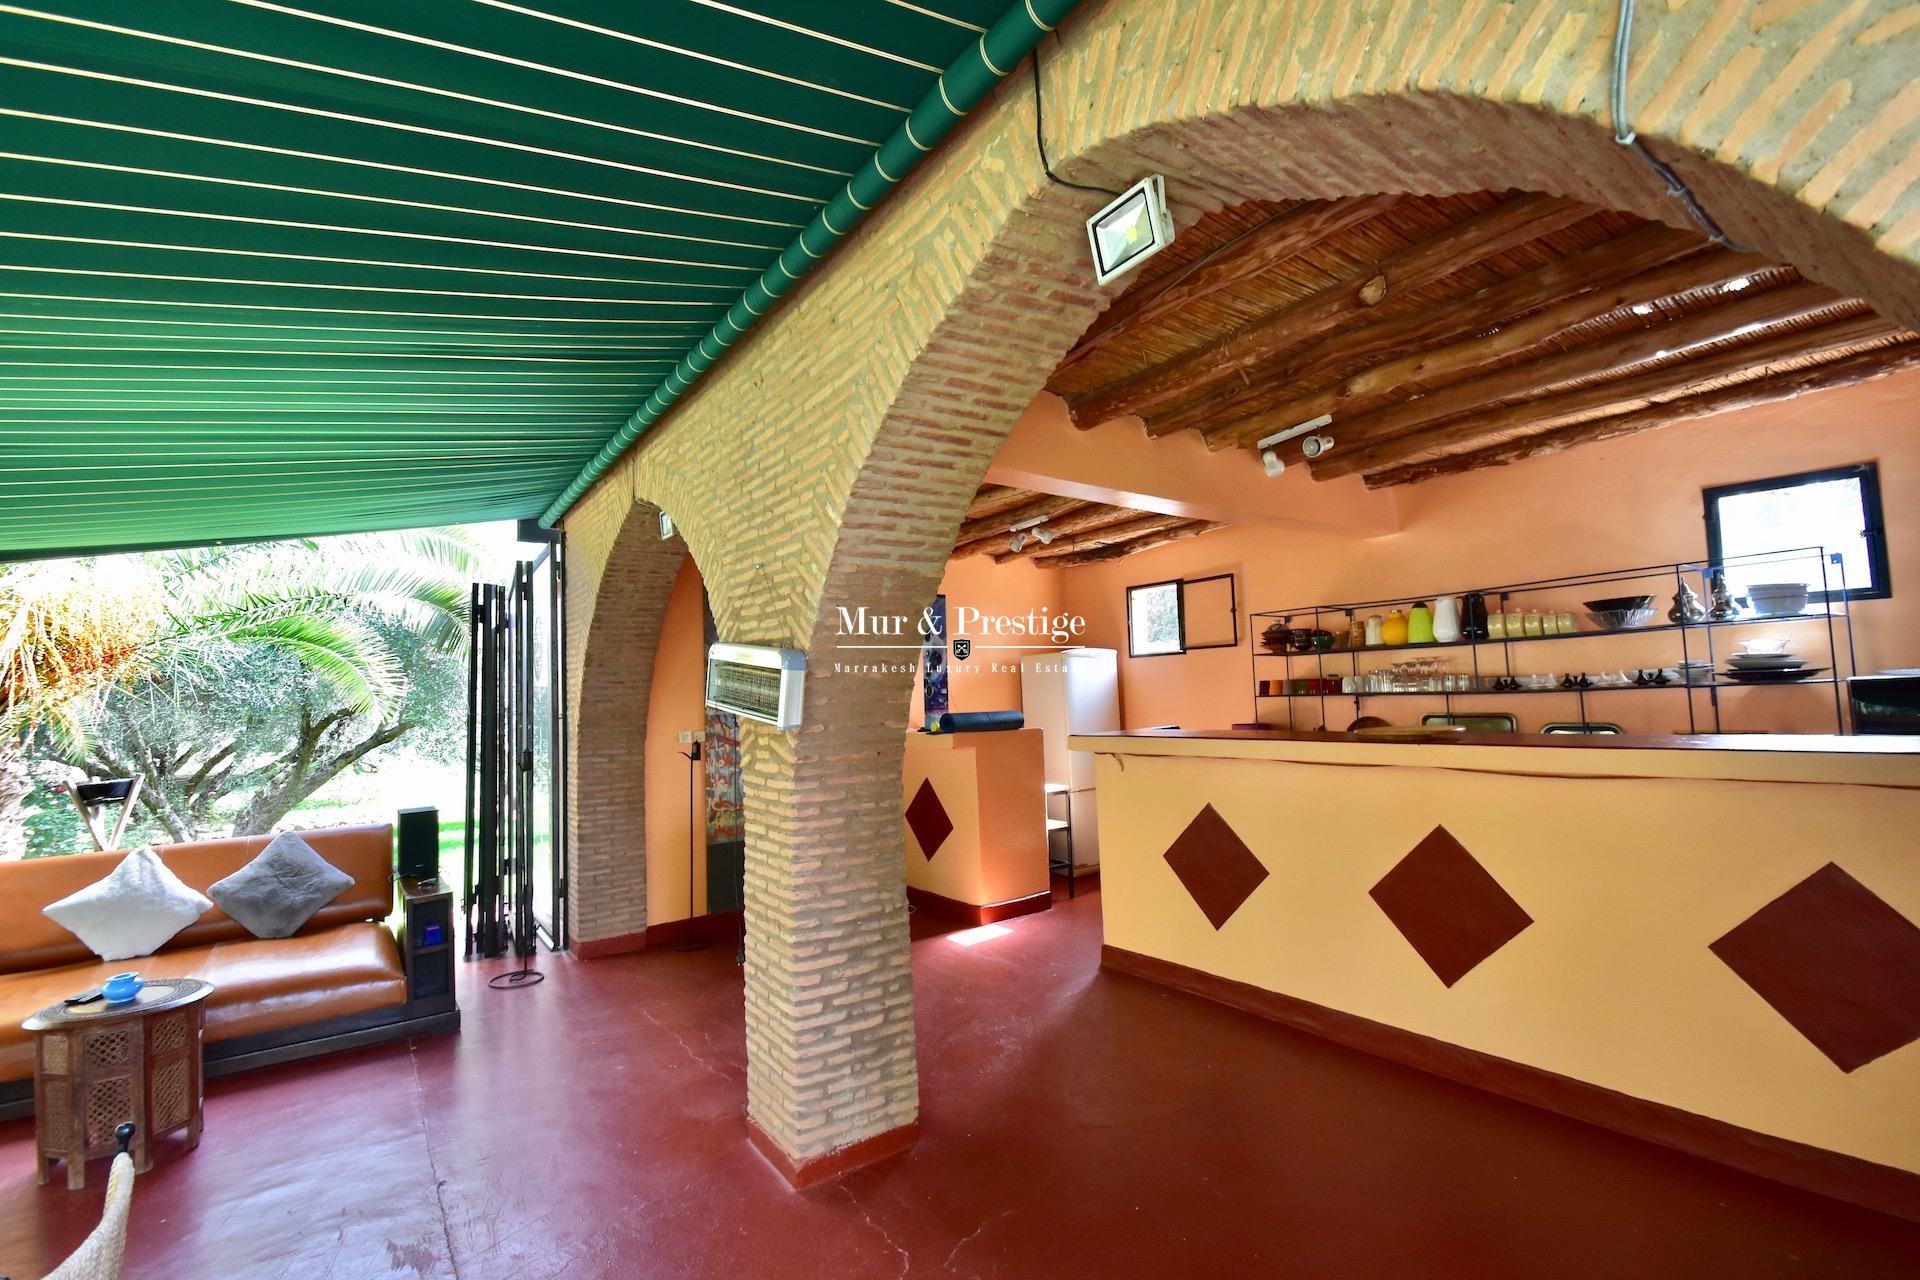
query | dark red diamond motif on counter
(928,819)
(1215,866)
(1448,907)
(1837,962)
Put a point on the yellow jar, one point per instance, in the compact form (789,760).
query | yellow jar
(1394,629)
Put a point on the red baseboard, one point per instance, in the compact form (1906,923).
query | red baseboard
(719,925)
(814,1170)
(1829,1173)
(619,945)
(972,914)
(711,928)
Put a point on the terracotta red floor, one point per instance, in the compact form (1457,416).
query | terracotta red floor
(1075,1124)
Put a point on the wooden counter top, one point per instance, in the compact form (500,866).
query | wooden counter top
(1797,758)
(1820,743)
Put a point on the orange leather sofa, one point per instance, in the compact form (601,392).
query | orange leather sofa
(340,982)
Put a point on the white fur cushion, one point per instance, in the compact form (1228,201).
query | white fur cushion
(133,910)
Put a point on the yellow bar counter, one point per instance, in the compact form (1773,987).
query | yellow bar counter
(1709,942)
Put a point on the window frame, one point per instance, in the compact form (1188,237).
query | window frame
(1180,586)
(1179,617)
(1873,513)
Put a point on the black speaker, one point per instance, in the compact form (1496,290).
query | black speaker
(419,836)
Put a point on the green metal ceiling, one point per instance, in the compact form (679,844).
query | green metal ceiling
(269,268)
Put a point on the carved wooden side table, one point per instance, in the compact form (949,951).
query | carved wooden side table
(98,1066)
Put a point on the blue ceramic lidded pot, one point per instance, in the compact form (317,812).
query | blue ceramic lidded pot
(122,987)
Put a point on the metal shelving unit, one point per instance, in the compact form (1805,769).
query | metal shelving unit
(1827,603)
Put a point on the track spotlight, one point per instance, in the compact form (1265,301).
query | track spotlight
(1313,446)
(1026,529)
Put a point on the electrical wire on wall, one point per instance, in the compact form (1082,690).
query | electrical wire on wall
(1624,134)
(1040,139)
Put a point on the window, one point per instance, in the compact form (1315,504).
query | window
(1181,615)
(1838,509)
(1153,620)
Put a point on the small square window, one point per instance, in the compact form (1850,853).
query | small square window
(1181,615)
(1838,509)
(1153,620)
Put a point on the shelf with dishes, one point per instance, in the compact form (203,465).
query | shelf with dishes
(1337,651)
(1489,626)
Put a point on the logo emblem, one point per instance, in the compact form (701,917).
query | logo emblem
(962,649)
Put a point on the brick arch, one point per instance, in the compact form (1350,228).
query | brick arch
(615,602)
(828,461)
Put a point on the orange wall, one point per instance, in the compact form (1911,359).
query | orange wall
(1627,502)
(990,681)
(676,702)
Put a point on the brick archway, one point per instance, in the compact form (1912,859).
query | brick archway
(616,599)
(829,461)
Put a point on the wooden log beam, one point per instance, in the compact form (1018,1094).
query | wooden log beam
(996,497)
(1605,399)
(1845,372)
(1131,546)
(1068,529)
(1254,252)
(1394,425)
(1041,506)
(1135,524)
(1456,360)
(1505,226)
(1641,249)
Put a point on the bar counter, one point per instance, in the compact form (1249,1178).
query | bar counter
(1704,941)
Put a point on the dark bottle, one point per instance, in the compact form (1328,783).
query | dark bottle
(1473,617)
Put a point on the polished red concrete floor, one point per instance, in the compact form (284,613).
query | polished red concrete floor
(1074,1124)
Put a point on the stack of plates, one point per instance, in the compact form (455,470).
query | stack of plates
(1768,668)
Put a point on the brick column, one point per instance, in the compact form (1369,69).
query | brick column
(831,1077)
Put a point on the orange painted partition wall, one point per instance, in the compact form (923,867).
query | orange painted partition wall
(677,702)
(1633,501)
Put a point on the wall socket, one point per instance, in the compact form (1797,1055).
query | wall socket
(686,737)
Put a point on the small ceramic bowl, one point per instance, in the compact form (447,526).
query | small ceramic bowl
(122,987)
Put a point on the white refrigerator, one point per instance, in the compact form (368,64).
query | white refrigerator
(1061,694)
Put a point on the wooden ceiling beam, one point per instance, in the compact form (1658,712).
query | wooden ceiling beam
(990,531)
(1131,546)
(1641,249)
(1606,399)
(1503,227)
(1394,425)
(1847,371)
(1072,527)
(1454,361)
(1252,253)
(996,497)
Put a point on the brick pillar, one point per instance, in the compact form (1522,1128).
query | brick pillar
(831,1077)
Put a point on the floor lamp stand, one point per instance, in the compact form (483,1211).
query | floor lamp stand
(695,939)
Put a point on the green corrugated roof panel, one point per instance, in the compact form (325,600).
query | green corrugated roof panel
(275,268)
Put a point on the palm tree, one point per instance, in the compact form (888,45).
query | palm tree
(81,640)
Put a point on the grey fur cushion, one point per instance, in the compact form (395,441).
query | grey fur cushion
(280,890)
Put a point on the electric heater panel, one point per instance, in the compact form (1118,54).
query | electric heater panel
(758,682)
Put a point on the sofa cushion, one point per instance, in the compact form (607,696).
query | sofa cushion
(28,940)
(282,887)
(132,910)
(259,985)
